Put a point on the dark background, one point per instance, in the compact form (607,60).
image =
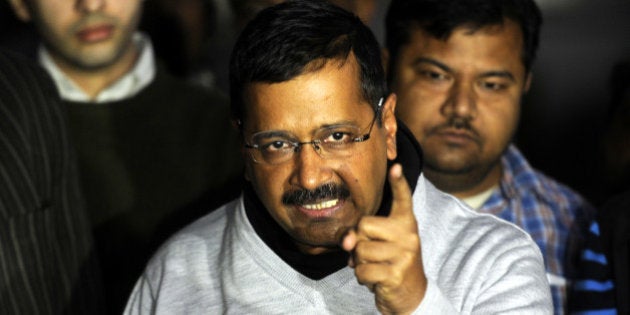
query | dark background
(564,115)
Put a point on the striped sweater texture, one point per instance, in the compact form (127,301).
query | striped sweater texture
(47,263)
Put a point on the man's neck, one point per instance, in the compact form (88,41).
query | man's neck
(466,184)
(93,81)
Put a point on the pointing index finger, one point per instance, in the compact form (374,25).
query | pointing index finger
(401,193)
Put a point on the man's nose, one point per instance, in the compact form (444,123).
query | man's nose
(461,101)
(311,170)
(90,5)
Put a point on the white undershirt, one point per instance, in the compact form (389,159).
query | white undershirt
(478,200)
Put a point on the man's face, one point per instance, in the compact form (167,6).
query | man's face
(300,109)
(461,98)
(87,34)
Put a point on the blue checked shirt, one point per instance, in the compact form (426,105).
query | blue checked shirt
(555,216)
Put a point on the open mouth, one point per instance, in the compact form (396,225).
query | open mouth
(321,205)
(321,210)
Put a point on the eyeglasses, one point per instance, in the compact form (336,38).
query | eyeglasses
(337,141)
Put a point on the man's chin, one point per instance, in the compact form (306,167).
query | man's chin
(94,62)
(93,57)
(452,167)
(317,242)
(318,247)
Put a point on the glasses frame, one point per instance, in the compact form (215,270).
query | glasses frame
(316,142)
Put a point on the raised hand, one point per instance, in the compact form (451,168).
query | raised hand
(386,255)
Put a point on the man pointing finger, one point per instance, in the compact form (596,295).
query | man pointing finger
(319,138)
(385,252)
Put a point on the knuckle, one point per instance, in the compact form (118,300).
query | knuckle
(361,272)
(364,225)
(408,257)
(360,248)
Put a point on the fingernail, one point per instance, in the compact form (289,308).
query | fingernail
(397,170)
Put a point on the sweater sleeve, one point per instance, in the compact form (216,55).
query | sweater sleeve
(478,262)
(435,302)
(515,283)
(142,298)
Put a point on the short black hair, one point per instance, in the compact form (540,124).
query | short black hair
(294,37)
(440,17)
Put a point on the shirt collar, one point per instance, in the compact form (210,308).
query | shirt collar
(141,75)
(519,175)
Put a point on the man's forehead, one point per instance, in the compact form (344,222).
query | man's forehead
(492,43)
(303,117)
(331,82)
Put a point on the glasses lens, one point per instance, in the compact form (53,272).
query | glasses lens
(272,149)
(338,141)
(333,142)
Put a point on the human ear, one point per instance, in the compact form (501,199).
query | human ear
(21,10)
(390,125)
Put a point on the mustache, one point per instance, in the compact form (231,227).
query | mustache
(323,192)
(458,123)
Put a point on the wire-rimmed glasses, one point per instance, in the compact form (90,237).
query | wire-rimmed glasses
(335,141)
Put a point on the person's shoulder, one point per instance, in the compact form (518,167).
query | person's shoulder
(8,57)
(27,91)
(17,69)
(560,195)
(200,237)
(452,213)
(481,246)
(615,216)
(537,187)
(179,88)
(190,256)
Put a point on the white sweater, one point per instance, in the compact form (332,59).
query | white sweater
(475,264)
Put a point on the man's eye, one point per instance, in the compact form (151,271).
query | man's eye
(432,75)
(338,137)
(275,145)
(493,86)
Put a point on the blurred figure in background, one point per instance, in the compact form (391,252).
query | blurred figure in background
(615,213)
(460,69)
(603,280)
(616,141)
(180,30)
(150,147)
(593,289)
(238,12)
(47,254)
(245,10)
(614,221)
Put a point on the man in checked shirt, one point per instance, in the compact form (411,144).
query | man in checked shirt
(459,69)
